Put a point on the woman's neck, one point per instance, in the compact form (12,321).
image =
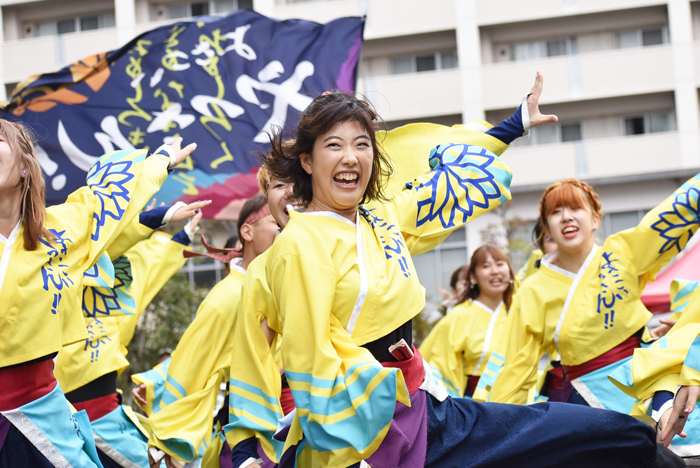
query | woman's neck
(572,261)
(317,205)
(9,211)
(491,302)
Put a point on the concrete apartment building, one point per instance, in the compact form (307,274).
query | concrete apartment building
(622,75)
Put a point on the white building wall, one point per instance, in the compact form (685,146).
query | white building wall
(594,83)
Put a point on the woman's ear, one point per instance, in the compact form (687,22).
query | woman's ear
(305,159)
(547,235)
(247,233)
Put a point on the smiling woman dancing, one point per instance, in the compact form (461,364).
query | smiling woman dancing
(345,291)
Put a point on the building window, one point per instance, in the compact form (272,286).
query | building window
(648,123)
(202,8)
(613,223)
(641,37)
(69,25)
(203,272)
(435,267)
(423,62)
(553,133)
(541,49)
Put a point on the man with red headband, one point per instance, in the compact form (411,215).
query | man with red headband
(180,410)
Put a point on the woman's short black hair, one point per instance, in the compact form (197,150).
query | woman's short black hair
(283,160)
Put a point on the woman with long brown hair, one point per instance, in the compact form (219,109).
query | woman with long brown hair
(459,347)
(44,254)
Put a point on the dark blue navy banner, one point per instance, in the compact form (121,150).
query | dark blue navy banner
(221,82)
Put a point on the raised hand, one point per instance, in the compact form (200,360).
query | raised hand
(533,104)
(683,405)
(662,329)
(139,394)
(194,223)
(181,153)
(188,211)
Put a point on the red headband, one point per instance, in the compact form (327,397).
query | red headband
(223,255)
(226,255)
(256,216)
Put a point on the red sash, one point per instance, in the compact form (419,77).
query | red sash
(618,353)
(412,370)
(98,407)
(23,384)
(287,401)
(472,382)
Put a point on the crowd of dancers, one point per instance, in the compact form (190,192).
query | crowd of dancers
(310,330)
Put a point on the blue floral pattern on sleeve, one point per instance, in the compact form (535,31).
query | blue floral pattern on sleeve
(108,179)
(677,225)
(459,169)
(106,301)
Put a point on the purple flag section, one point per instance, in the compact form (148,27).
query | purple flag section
(222,82)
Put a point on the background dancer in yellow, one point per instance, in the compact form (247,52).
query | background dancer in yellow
(45,253)
(460,346)
(88,370)
(183,414)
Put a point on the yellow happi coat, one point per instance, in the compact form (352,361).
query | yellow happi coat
(111,314)
(530,268)
(685,302)
(182,413)
(338,284)
(462,343)
(591,312)
(255,380)
(41,290)
(670,362)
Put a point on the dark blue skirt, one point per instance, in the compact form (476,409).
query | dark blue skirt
(464,433)
(16,450)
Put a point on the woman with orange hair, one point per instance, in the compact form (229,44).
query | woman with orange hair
(585,298)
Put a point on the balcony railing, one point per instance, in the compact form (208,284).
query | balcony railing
(577,77)
(595,159)
(26,57)
(414,95)
(385,18)
(508,11)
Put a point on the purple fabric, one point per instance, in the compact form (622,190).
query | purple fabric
(225,456)
(266,462)
(4,429)
(346,77)
(406,443)
(562,394)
